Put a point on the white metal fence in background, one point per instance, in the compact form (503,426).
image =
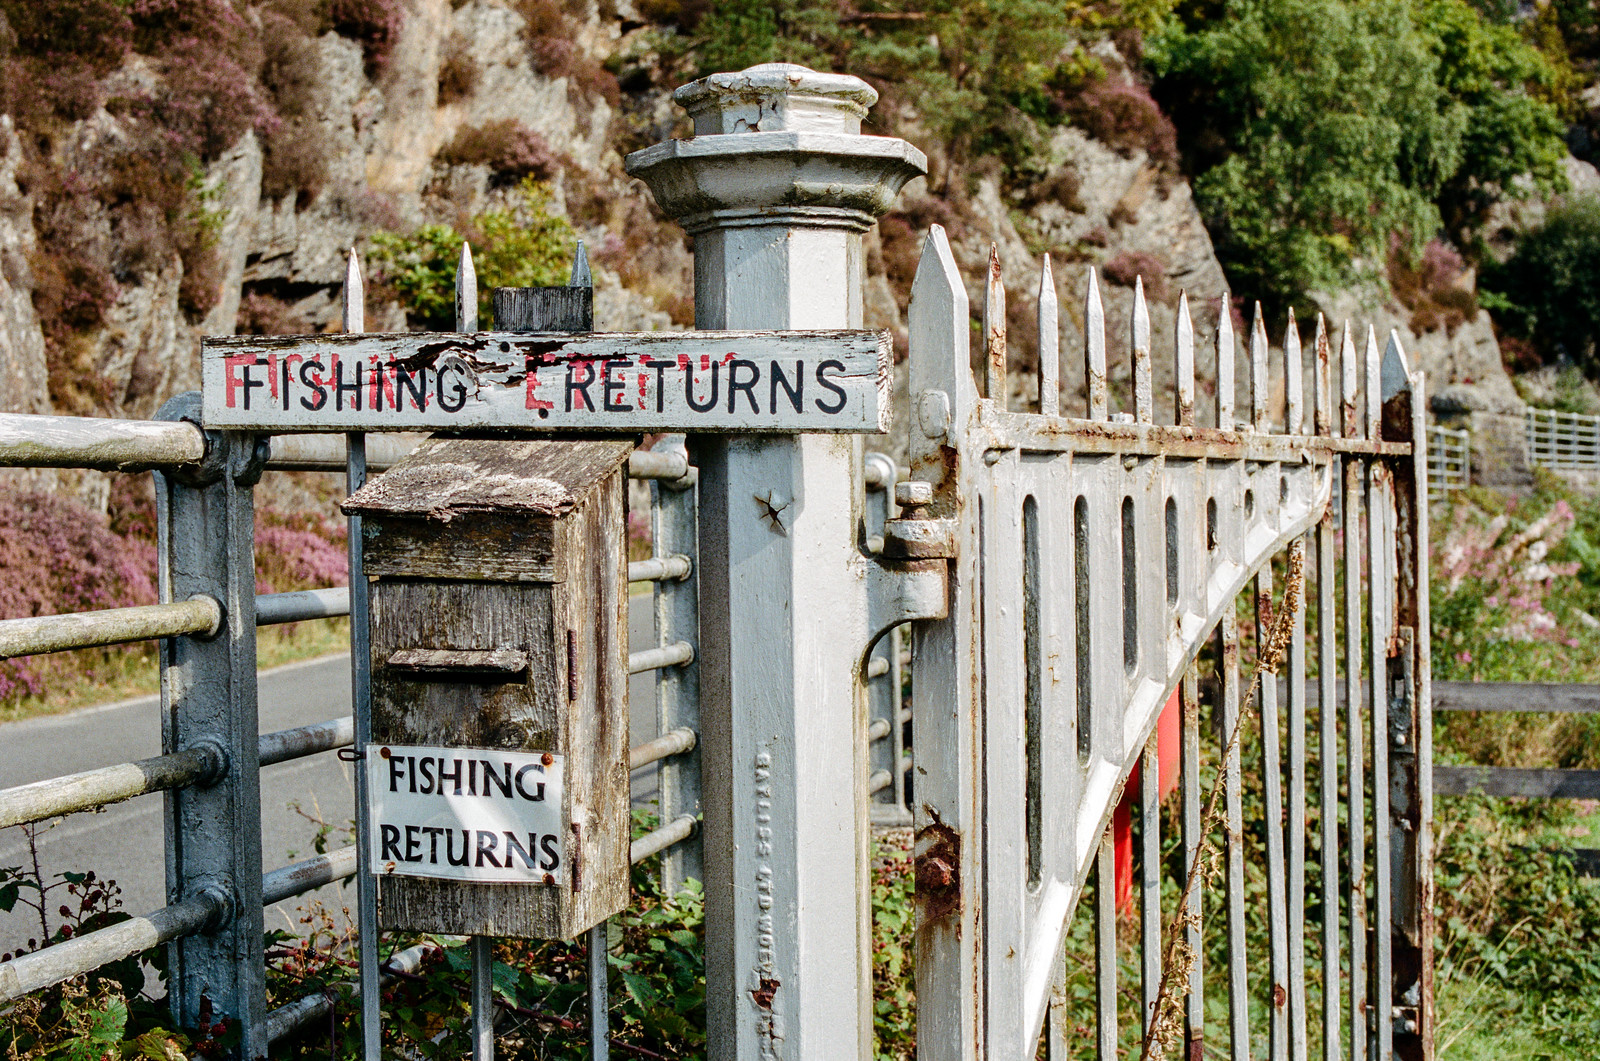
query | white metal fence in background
(1563,442)
(1449,461)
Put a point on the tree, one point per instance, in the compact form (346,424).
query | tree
(1549,290)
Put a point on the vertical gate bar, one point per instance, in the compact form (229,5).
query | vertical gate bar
(1056,1021)
(599,1019)
(1259,383)
(480,948)
(673,529)
(1105,949)
(212,829)
(1094,348)
(1355,760)
(1328,775)
(1049,317)
(1139,328)
(1183,375)
(1149,882)
(353,308)
(1380,535)
(1193,808)
(1232,792)
(1297,827)
(994,331)
(1293,385)
(1225,356)
(1416,609)
(481,951)
(1272,813)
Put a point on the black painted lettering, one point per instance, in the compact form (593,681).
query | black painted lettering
(426,769)
(413,844)
(552,857)
(397,770)
(433,832)
(450,847)
(314,382)
(609,386)
(688,389)
(413,382)
(456,397)
(796,393)
(489,775)
(824,381)
(391,842)
(513,845)
(661,380)
(580,386)
(283,391)
(341,388)
(487,842)
(411,770)
(450,775)
(537,796)
(472,777)
(736,385)
(250,382)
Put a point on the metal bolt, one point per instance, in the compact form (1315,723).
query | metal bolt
(912,492)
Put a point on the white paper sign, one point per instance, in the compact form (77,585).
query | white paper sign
(466,814)
(626,382)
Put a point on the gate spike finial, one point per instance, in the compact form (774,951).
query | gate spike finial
(1374,385)
(1322,379)
(353,299)
(466,291)
(994,329)
(1143,403)
(1225,356)
(1396,372)
(1293,396)
(1049,343)
(1094,348)
(1258,371)
(580,268)
(1183,404)
(940,325)
(1347,395)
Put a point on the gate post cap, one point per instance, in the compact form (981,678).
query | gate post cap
(776,97)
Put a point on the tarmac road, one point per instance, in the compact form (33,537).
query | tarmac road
(125,841)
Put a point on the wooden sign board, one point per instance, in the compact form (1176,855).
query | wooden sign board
(630,382)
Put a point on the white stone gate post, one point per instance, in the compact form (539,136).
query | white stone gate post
(776,186)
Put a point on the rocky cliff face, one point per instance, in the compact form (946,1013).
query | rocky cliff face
(383,139)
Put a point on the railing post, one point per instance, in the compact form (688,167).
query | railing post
(208,699)
(777,186)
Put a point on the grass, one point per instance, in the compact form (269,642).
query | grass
(100,676)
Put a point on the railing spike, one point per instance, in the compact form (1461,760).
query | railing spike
(1322,379)
(1347,364)
(1049,343)
(994,329)
(1143,403)
(1225,356)
(1396,371)
(1094,348)
(1183,403)
(1293,388)
(466,291)
(1258,371)
(353,298)
(580,268)
(1374,385)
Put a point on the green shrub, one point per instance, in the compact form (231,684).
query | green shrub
(1548,292)
(523,246)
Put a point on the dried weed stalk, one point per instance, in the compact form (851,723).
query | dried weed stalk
(1178,957)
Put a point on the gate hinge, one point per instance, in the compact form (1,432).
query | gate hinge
(910,579)
(914,535)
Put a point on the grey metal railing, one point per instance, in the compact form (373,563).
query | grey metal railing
(1449,461)
(1562,441)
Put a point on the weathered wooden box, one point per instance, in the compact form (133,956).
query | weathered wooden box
(499,646)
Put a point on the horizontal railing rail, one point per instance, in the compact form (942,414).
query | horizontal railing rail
(32,441)
(107,785)
(673,742)
(677,654)
(199,616)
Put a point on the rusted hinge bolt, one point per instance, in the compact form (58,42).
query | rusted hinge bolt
(913,493)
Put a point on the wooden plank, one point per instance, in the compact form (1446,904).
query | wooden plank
(501,548)
(630,382)
(1516,781)
(1516,696)
(539,309)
